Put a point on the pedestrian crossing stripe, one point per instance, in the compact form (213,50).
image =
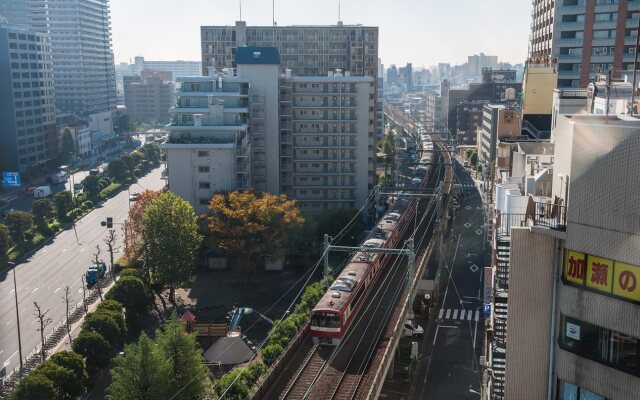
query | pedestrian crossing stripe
(461,315)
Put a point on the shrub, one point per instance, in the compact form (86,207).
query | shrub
(234,389)
(110,190)
(95,349)
(88,205)
(271,353)
(253,372)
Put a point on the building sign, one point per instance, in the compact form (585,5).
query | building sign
(10,179)
(574,266)
(488,283)
(602,274)
(626,281)
(599,273)
(572,331)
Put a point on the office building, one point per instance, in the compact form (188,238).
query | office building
(177,68)
(148,98)
(27,124)
(584,37)
(259,126)
(476,63)
(311,50)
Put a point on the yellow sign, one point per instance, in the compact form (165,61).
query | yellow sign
(599,273)
(574,266)
(626,281)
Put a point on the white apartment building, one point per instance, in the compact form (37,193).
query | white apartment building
(262,128)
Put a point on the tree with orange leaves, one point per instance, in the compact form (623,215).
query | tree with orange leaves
(252,228)
(134,235)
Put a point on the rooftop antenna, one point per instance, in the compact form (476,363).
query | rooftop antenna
(273,12)
(240,10)
(339,19)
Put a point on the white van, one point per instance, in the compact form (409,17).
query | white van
(42,191)
(412,329)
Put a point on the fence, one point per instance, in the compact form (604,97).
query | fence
(34,358)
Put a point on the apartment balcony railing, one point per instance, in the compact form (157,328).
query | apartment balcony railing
(545,214)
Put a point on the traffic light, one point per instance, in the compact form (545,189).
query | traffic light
(109,222)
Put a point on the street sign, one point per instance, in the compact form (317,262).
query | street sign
(10,179)
(486,309)
(488,285)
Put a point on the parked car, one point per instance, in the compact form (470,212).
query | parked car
(95,272)
(42,191)
(411,328)
(29,190)
(78,186)
(134,196)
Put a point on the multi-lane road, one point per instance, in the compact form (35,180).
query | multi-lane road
(44,276)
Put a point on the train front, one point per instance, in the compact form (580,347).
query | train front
(326,326)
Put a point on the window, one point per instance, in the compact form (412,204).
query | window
(204,185)
(325,320)
(202,153)
(569,391)
(203,201)
(203,168)
(603,345)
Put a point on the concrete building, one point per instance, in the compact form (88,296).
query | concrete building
(177,68)
(80,33)
(584,37)
(477,62)
(149,97)
(567,101)
(307,137)
(308,50)
(498,122)
(574,333)
(27,115)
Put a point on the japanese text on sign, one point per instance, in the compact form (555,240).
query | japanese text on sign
(574,266)
(599,273)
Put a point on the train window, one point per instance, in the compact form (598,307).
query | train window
(325,320)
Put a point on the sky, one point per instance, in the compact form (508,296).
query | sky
(423,32)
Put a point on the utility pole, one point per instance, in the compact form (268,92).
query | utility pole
(326,257)
(15,292)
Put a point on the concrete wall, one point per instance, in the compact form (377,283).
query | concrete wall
(538,86)
(531,266)
(363,140)
(184,175)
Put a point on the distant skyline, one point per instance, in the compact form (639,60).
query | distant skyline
(423,32)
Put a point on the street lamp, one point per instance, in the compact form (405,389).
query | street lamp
(15,292)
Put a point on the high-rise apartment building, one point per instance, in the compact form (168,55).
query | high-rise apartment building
(80,33)
(311,50)
(149,97)
(27,116)
(177,68)
(262,127)
(584,37)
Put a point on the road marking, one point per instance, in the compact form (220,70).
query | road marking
(475,330)
(56,291)
(82,249)
(441,313)
(63,250)
(449,326)
(10,357)
(8,322)
(34,290)
(448,313)
(477,315)
(474,268)
(462,313)
(11,291)
(470,315)
(455,314)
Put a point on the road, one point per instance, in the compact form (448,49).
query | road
(43,277)
(449,367)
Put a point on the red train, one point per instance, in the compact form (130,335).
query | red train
(334,313)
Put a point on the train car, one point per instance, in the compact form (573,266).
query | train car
(334,313)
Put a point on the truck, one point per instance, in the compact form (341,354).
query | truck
(42,191)
(95,272)
(59,177)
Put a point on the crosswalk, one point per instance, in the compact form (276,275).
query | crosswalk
(468,185)
(460,315)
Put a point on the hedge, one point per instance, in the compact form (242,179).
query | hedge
(110,190)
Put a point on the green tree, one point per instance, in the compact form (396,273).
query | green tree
(64,204)
(118,170)
(232,386)
(152,153)
(109,324)
(333,221)
(74,363)
(67,147)
(184,358)
(271,353)
(91,186)
(42,211)
(126,124)
(141,373)
(132,293)
(129,162)
(171,241)
(5,239)
(474,159)
(252,227)
(18,223)
(64,380)
(35,387)
(94,348)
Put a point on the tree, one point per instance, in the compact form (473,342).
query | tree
(42,211)
(67,146)
(333,221)
(91,186)
(94,348)
(18,223)
(67,302)
(65,382)
(171,241)
(232,386)
(184,359)
(110,241)
(35,387)
(252,228)
(140,373)
(132,293)
(474,158)
(126,124)
(128,162)
(43,322)
(64,204)
(96,261)
(5,239)
(74,363)
(107,324)
(118,170)
(135,227)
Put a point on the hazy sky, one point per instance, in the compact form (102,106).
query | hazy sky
(423,32)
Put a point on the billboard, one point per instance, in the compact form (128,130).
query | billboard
(10,179)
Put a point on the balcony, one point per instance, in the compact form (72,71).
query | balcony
(549,215)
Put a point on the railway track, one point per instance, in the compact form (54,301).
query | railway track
(308,372)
